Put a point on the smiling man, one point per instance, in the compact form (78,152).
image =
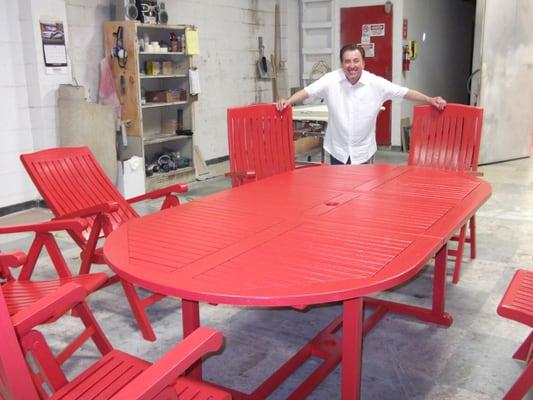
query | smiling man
(354,98)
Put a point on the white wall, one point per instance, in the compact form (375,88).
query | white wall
(290,46)
(86,41)
(443,63)
(42,86)
(506,79)
(15,128)
(227,63)
(29,113)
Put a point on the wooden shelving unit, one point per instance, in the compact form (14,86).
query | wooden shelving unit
(146,138)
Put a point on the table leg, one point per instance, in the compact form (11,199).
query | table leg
(439,282)
(352,339)
(190,315)
(437,313)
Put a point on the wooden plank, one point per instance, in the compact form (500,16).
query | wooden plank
(128,92)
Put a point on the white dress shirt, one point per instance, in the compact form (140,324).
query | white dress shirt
(353,110)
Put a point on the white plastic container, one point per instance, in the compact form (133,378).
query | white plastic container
(130,180)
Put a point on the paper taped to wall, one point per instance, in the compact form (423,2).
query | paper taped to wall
(191,39)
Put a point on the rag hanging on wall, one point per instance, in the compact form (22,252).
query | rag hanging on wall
(194,82)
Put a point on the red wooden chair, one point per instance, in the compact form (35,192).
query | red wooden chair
(449,140)
(73,184)
(260,142)
(22,292)
(517,304)
(116,375)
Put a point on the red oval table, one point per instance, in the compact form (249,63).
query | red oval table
(310,236)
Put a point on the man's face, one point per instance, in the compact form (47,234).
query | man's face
(353,65)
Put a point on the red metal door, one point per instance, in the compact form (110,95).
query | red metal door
(374,24)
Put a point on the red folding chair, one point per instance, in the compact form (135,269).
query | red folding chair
(260,142)
(517,304)
(449,140)
(22,292)
(116,375)
(73,184)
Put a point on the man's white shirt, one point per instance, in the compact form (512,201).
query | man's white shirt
(352,112)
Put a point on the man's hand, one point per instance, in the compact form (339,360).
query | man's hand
(282,104)
(438,102)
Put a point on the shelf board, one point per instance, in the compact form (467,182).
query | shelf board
(179,53)
(165,138)
(163,76)
(178,171)
(155,105)
(161,26)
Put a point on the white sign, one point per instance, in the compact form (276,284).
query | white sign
(365,39)
(369,49)
(373,30)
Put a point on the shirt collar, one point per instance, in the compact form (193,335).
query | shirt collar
(363,80)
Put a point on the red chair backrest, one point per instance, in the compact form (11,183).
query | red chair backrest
(261,140)
(70,179)
(447,139)
(15,378)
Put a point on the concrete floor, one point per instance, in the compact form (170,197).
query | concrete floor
(403,358)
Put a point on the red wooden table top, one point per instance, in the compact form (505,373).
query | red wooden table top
(309,236)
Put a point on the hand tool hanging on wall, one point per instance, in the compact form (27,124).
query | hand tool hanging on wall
(264,67)
(119,52)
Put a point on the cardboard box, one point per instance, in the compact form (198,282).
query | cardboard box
(165,96)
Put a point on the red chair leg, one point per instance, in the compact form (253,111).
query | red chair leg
(458,254)
(170,201)
(524,351)
(98,337)
(472,226)
(522,384)
(137,308)
(31,259)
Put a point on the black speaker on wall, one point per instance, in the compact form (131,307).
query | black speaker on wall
(162,15)
(126,9)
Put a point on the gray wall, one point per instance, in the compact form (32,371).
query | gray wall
(229,52)
(506,62)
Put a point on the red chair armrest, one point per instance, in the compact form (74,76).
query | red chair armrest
(47,226)
(106,207)
(166,371)
(12,259)
(48,308)
(177,188)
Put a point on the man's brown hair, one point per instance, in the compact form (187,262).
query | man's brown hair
(352,46)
